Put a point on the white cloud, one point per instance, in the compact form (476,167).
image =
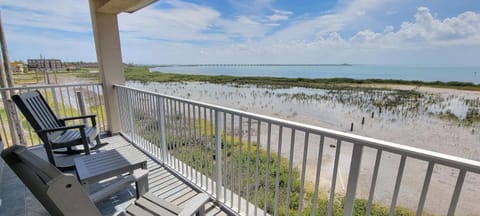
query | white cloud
(388,29)
(183,21)
(65,15)
(282,12)
(309,28)
(426,40)
(365,36)
(277,17)
(23,46)
(429,29)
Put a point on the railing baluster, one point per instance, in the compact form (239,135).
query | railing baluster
(232,158)
(155,127)
(302,179)
(55,101)
(138,124)
(81,105)
(290,169)
(150,125)
(277,178)
(267,171)
(190,138)
(426,184)
(130,113)
(178,138)
(456,193)
(195,142)
(374,182)
(240,144)
(200,149)
(169,131)
(184,147)
(101,105)
(249,145)
(161,121)
(87,101)
(353,179)
(5,138)
(69,103)
(63,100)
(225,149)
(210,140)
(334,178)
(218,157)
(174,126)
(397,185)
(144,112)
(171,142)
(205,146)
(317,175)
(257,164)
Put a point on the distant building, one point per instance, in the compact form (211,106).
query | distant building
(45,64)
(17,67)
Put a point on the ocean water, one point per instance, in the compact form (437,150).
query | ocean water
(400,72)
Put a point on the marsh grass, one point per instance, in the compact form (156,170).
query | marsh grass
(142,74)
(395,103)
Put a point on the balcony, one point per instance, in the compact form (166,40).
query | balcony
(252,164)
(249,164)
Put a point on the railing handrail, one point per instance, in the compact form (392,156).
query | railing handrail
(413,152)
(49,86)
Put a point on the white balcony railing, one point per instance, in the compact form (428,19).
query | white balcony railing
(65,100)
(254,164)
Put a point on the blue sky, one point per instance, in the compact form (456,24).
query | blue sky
(421,32)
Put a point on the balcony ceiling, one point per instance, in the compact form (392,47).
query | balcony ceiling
(118,6)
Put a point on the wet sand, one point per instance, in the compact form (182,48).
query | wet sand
(421,130)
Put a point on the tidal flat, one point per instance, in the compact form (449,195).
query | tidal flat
(437,119)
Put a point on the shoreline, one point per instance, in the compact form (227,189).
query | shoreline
(142,74)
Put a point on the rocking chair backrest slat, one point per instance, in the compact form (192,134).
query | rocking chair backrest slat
(37,111)
(59,193)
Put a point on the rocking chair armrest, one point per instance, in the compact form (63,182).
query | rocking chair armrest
(60,128)
(91,116)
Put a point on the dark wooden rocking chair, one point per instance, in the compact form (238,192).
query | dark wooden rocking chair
(53,131)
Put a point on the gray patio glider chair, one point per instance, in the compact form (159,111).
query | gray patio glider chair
(53,131)
(62,194)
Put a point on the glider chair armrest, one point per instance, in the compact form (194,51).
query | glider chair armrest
(60,129)
(92,118)
(197,204)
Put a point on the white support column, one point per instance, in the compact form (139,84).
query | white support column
(109,56)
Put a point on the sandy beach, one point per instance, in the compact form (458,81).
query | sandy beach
(418,129)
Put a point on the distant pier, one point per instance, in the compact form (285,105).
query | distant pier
(246,65)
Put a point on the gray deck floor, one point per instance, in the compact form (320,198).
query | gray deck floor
(16,199)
